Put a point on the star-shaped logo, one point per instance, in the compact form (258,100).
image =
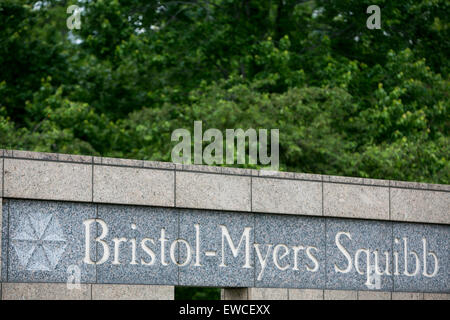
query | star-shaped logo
(39,241)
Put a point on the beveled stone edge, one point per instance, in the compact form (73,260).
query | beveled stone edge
(125,289)
(21,154)
(419,186)
(266,174)
(422,295)
(2,166)
(89,288)
(360,295)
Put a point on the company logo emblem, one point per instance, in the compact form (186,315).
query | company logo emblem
(39,241)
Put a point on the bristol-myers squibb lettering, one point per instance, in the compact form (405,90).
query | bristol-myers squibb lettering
(157,249)
(372,258)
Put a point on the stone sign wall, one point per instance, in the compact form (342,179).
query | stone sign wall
(92,228)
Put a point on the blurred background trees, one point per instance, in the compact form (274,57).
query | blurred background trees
(347,100)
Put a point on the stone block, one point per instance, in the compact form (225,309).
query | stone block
(286,196)
(142,256)
(436,296)
(305,294)
(131,292)
(31,179)
(135,186)
(290,247)
(213,236)
(419,246)
(44,291)
(407,296)
(351,247)
(355,201)
(267,294)
(420,206)
(374,295)
(340,295)
(212,191)
(45,240)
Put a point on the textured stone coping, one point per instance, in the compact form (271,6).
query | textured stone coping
(59,291)
(19,154)
(316,294)
(52,176)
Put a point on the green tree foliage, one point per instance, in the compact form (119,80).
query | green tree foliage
(196,293)
(347,100)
